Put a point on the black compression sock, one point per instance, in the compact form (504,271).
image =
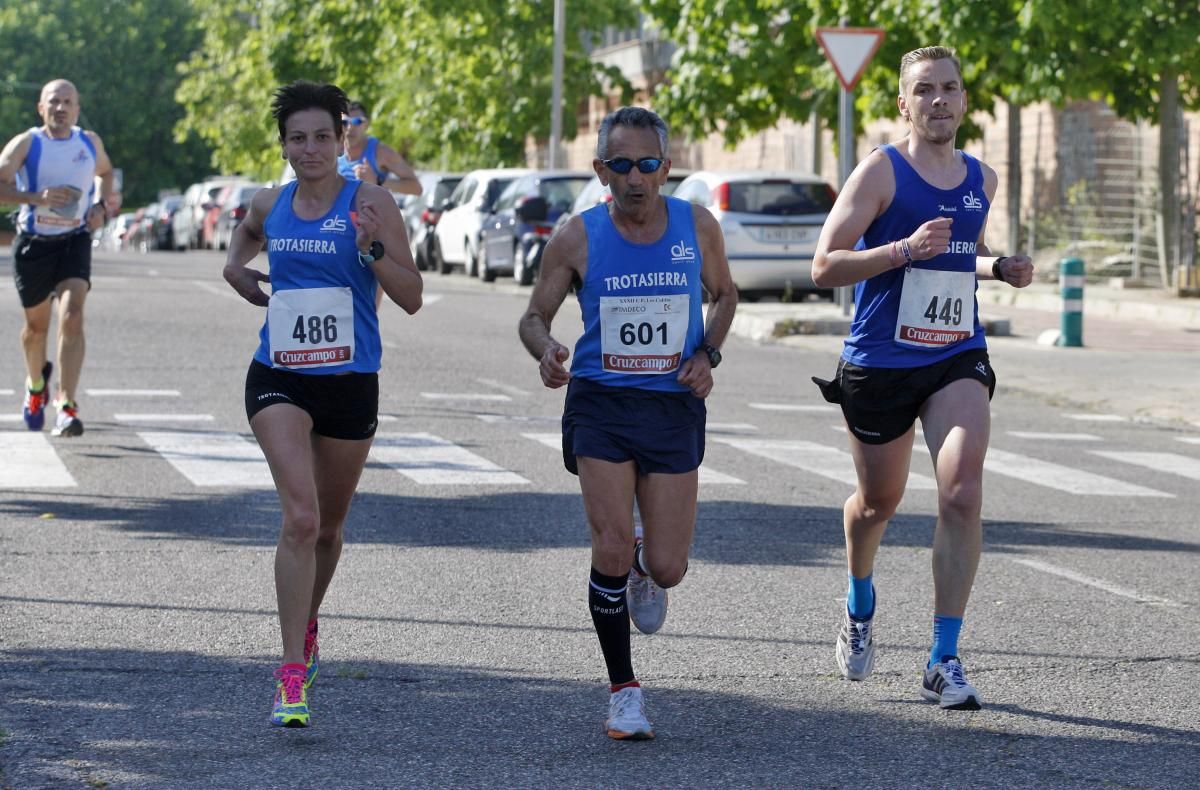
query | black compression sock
(610,616)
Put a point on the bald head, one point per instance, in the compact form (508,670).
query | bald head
(59,107)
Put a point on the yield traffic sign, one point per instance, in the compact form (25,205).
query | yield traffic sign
(849,49)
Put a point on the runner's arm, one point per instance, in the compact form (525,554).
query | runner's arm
(1015,269)
(245,243)
(379,219)
(109,197)
(12,159)
(398,173)
(559,268)
(866,195)
(696,371)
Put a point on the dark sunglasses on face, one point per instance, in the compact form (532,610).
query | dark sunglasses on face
(622,165)
(353,121)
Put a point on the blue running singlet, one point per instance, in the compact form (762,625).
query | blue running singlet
(640,303)
(927,312)
(346,165)
(321,318)
(51,162)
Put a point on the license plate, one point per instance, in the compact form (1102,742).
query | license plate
(786,234)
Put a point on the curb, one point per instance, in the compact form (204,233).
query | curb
(775,322)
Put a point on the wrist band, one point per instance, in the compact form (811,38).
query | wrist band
(907,252)
(997,271)
(892,254)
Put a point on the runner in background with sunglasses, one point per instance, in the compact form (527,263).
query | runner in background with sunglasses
(365,158)
(633,423)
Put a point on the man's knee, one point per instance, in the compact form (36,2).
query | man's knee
(875,505)
(71,322)
(668,571)
(612,539)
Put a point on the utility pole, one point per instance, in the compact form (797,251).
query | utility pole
(556,89)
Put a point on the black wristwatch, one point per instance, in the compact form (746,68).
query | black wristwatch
(997,271)
(714,355)
(373,253)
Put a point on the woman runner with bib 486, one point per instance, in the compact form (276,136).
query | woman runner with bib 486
(312,392)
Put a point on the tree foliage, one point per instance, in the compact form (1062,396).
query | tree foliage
(458,85)
(122,56)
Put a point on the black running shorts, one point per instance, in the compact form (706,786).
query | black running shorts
(881,404)
(344,406)
(40,263)
(661,432)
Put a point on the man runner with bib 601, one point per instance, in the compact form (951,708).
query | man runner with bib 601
(908,231)
(633,422)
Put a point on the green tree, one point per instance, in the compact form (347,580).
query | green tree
(459,85)
(122,56)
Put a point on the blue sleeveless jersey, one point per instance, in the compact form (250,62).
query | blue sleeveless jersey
(637,286)
(871,342)
(321,253)
(346,165)
(51,162)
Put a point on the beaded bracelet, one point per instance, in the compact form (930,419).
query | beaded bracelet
(908,259)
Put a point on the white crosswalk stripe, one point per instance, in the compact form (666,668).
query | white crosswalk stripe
(806,407)
(1188,439)
(1055,437)
(28,460)
(1061,478)
(817,459)
(706,477)
(1096,417)
(212,458)
(430,460)
(1172,463)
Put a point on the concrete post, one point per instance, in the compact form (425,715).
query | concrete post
(1070,282)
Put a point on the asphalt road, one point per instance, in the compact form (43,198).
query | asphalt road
(137,617)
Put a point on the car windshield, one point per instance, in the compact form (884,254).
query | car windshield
(779,198)
(560,193)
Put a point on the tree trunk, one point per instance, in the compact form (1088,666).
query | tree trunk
(1168,170)
(1014,179)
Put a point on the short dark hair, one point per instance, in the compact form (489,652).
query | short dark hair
(305,95)
(638,117)
(934,53)
(357,106)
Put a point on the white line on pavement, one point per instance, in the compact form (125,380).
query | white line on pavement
(134,418)
(7,392)
(816,458)
(517,418)
(731,427)
(808,407)
(706,477)
(1096,417)
(430,460)
(1090,581)
(211,459)
(27,460)
(106,393)
(1171,463)
(465,396)
(1188,439)
(1055,437)
(516,392)
(1061,478)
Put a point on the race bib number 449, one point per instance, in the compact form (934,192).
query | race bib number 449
(311,327)
(937,309)
(643,334)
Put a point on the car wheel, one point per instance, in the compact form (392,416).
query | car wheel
(481,266)
(472,261)
(419,258)
(521,271)
(435,257)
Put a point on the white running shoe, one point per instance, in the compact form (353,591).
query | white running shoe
(945,684)
(647,602)
(856,648)
(627,716)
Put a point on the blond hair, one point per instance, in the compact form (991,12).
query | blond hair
(923,54)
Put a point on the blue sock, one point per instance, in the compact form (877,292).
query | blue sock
(860,598)
(945,637)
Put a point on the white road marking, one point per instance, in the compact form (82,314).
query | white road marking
(706,476)
(816,458)
(430,460)
(1188,439)
(388,418)
(7,392)
(27,460)
(1171,463)
(731,427)
(518,418)
(210,459)
(1090,581)
(806,407)
(1096,417)
(1055,437)
(516,392)
(1061,478)
(428,299)
(135,418)
(9,417)
(108,393)
(465,396)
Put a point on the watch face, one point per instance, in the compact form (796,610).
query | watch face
(714,357)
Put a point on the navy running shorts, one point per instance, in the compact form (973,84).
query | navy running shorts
(661,432)
(40,263)
(881,404)
(343,406)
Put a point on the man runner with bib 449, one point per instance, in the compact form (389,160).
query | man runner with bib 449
(633,422)
(908,231)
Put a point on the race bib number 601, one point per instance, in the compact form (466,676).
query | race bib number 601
(643,334)
(311,327)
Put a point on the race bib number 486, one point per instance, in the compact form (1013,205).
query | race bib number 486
(311,327)
(937,308)
(643,334)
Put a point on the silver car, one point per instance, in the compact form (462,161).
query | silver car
(771,222)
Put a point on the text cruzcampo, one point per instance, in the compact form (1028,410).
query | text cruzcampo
(645,280)
(324,246)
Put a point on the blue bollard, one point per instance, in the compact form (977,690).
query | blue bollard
(1070,282)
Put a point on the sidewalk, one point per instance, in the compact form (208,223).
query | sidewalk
(1140,359)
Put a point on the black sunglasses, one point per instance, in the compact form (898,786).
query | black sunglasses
(622,165)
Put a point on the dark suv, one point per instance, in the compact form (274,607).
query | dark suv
(522,220)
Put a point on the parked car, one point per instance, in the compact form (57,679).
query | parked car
(522,220)
(199,197)
(234,205)
(164,223)
(470,203)
(596,192)
(771,222)
(422,212)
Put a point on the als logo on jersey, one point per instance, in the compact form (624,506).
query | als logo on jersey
(682,253)
(334,224)
(971,202)
(80,157)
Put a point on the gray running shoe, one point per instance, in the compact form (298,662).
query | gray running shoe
(647,602)
(945,684)
(856,648)
(627,716)
(68,423)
